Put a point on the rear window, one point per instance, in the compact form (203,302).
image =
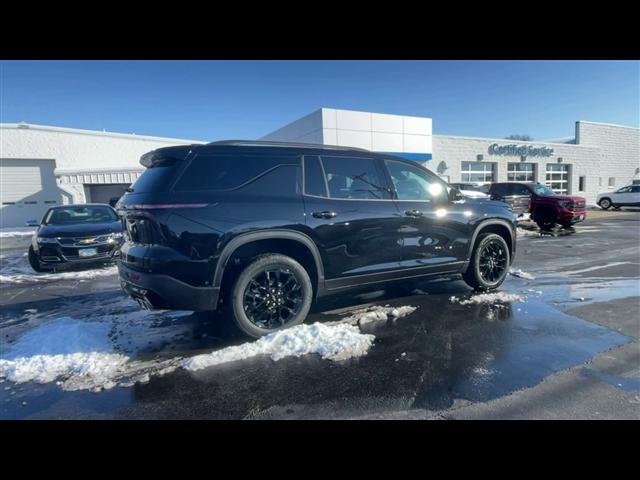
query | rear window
(155,179)
(226,172)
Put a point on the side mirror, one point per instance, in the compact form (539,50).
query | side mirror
(455,195)
(32,223)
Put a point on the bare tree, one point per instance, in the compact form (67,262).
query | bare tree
(524,138)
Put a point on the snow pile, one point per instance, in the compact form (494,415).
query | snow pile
(527,233)
(499,297)
(521,274)
(16,269)
(17,232)
(63,348)
(375,313)
(331,342)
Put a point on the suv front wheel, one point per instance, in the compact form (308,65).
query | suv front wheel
(489,263)
(273,292)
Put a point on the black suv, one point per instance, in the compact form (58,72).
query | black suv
(261,229)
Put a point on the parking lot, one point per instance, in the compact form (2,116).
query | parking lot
(558,341)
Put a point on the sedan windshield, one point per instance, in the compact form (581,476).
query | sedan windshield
(74,215)
(543,191)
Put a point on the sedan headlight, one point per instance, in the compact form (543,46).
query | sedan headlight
(115,236)
(47,240)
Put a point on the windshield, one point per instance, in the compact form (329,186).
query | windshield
(543,191)
(80,214)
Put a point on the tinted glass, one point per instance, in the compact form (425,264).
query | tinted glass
(413,183)
(353,177)
(225,172)
(520,190)
(313,177)
(502,189)
(635,188)
(155,179)
(79,215)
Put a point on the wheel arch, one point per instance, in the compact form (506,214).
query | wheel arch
(497,226)
(297,245)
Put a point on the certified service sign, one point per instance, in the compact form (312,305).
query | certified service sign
(527,150)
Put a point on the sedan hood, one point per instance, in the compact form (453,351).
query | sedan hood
(79,230)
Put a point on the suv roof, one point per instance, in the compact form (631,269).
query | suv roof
(180,152)
(265,143)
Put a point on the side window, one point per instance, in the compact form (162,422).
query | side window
(635,189)
(501,189)
(413,183)
(313,177)
(520,190)
(355,178)
(624,190)
(225,172)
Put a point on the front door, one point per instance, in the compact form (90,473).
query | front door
(435,232)
(352,218)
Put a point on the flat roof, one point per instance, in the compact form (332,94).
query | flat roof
(99,133)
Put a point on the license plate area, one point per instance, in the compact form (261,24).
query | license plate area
(87,252)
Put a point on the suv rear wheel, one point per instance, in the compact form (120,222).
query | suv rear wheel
(273,292)
(489,263)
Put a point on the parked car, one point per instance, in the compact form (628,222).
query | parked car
(543,205)
(260,230)
(472,190)
(628,196)
(75,234)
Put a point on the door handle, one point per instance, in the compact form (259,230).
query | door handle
(413,213)
(325,214)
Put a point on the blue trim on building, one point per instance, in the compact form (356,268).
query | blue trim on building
(419,157)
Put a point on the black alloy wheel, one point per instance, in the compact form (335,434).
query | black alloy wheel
(493,261)
(272,298)
(271,293)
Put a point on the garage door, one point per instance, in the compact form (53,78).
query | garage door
(27,189)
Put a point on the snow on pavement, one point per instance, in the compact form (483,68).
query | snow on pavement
(375,313)
(488,298)
(82,352)
(15,269)
(522,232)
(521,274)
(12,232)
(331,342)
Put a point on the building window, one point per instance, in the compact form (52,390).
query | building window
(521,172)
(477,172)
(557,178)
(612,181)
(599,181)
(582,183)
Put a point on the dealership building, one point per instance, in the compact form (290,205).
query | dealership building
(41,166)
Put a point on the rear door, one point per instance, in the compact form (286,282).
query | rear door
(352,217)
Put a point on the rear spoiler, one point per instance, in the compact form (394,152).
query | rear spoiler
(165,155)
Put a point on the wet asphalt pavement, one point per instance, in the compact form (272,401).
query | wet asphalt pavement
(568,350)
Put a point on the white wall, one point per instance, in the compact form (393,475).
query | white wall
(348,128)
(81,150)
(619,150)
(584,160)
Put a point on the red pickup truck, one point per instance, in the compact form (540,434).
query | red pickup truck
(545,206)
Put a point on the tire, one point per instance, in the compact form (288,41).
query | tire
(33,261)
(605,203)
(546,219)
(477,276)
(258,310)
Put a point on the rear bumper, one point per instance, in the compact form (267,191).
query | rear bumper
(160,292)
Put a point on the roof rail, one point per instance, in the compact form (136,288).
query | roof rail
(266,143)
